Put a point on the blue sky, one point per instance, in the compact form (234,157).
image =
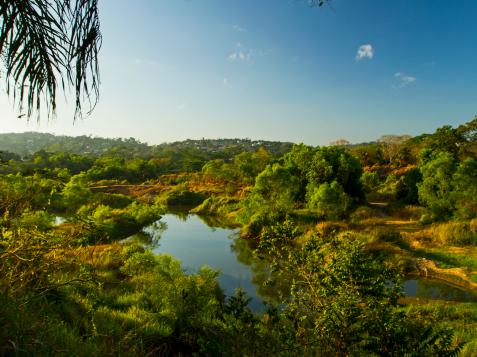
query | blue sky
(277,70)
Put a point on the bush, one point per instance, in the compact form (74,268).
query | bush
(40,220)
(180,196)
(425,219)
(407,190)
(330,201)
(390,187)
(113,200)
(454,233)
(103,223)
(328,228)
(435,190)
(409,212)
(217,205)
(370,181)
(362,213)
(386,234)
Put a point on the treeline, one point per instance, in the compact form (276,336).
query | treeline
(121,160)
(26,144)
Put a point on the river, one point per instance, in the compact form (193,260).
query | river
(196,241)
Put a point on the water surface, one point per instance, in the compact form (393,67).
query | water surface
(189,239)
(430,289)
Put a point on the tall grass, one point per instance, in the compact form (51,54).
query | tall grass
(454,233)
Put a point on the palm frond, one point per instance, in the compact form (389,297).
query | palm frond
(50,44)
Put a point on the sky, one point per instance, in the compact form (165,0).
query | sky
(276,70)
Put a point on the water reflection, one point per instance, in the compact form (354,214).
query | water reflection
(216,222)
(154,232)
(270,286)
(436,290)
(197,241)
(196,244)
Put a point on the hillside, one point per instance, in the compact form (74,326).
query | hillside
(28,143)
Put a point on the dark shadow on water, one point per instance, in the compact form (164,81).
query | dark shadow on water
(437,290)
(217,222)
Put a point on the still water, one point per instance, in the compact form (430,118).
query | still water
(196,242)
(436,290)
(190,239)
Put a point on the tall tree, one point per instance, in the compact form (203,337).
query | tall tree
(391,145)
(436,186)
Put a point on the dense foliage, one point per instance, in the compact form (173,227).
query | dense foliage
(314,219)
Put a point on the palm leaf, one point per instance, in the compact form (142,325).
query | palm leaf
(46,44)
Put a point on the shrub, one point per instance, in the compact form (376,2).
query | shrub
(328,228)
(217,205)
(40,220)
(362,213)
(386,234)
(113,200)
(454,233)
(370,181)
(329,200)
(180,196)
(435,190)
(409,212)
(390,186)
(407,190)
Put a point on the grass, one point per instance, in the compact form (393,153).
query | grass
(448,248)
(446,259)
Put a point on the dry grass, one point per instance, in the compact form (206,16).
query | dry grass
(452,233)
(327,228)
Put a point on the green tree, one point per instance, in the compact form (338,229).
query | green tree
(276,186)
(76,193)
(273,196)
(436,186)
(465,189)
(370,181)
(329,200)
(325,164)
(407,190)
(250,164)
(344,301)
(335,164)
(369,154)
(446,139)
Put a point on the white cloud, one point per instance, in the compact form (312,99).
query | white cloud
(365,51)
(238,28)
(404,79)
(240,55)
(225,82)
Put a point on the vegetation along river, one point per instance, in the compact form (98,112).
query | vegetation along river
(196,242)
